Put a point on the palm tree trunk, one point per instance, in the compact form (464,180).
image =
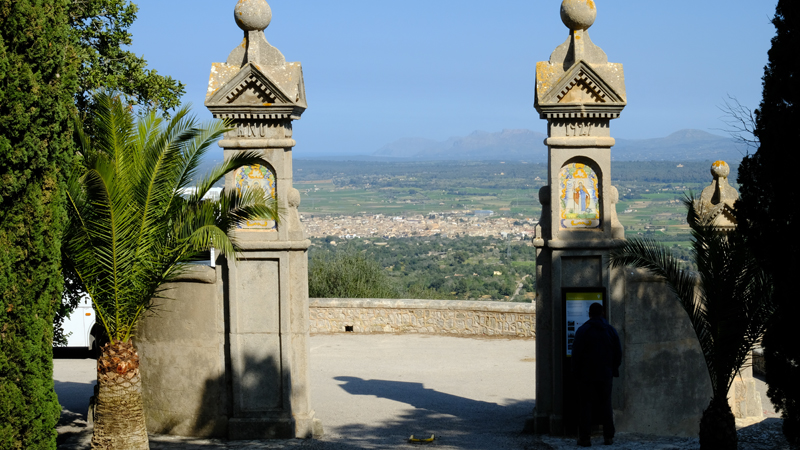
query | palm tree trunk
(718,426)
(119,412)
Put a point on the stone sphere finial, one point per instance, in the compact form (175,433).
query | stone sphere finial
(252,15)
(578,14)
(720,169)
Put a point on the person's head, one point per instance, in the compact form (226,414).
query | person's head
(595,310)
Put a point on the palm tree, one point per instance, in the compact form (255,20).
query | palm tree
(130,230)
(728,300)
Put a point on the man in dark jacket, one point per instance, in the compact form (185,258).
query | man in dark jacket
(596,357)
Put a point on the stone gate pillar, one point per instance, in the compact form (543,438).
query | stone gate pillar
(716,208)
(266,289)
(578,92)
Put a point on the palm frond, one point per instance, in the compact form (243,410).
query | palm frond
(252,204)
(728,300)
(130,230)
(239,159)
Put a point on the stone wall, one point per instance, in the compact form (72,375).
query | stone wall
(181,344)
(664,384)
(457,318)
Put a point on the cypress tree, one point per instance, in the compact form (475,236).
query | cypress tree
(37,85)
(769,213)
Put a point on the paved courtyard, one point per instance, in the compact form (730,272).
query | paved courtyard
(374,391)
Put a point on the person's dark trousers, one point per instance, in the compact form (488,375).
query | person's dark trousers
(595,396)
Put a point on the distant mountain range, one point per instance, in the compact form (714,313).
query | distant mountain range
(527,145)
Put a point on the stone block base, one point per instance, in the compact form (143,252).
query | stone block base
(252,429)
(556,425)
(274,428)
(538,423)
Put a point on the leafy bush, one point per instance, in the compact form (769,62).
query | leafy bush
(37,83)
(348,274)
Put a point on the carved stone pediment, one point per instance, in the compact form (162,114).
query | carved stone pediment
(254,89)
(581,84)
(581,91)
(273,93)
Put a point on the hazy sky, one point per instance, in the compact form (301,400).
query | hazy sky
(380,70)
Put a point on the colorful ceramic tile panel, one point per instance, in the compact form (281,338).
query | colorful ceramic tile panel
(579,195)
(261,177)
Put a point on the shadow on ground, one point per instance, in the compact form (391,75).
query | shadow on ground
(457,422)
(764,435)
(74,400)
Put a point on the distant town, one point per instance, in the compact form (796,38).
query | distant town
(449,224)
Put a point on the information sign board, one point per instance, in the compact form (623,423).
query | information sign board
(577,312)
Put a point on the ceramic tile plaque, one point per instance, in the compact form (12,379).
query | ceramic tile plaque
(579,196)
(256,176)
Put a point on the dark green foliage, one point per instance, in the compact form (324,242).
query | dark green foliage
(781,361)
(728,301)
(436,267)
(101,33)
(130,229)
(37,83)
(768,212)
(348,275)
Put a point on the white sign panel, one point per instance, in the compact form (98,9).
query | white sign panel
(578,312)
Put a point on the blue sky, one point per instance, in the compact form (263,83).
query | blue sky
(378,70)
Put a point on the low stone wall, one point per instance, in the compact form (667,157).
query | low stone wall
(448,317)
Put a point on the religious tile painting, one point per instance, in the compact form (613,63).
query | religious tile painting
(256,176)
(579,195)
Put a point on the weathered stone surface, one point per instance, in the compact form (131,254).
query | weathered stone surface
(182,343)
(241,358)
(460,318)
(664,385)
(715,205)
(578,14)
(267,288)
(579,92)
(252,15)
(744,399)
(578,82)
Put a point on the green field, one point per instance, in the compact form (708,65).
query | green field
(327,198)
(650,202)
(656,212)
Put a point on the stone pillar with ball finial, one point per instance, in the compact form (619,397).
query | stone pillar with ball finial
(716,209)
(578,92)
(266,289)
